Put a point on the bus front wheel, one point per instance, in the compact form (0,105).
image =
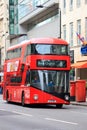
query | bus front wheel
(59,105)
(7,96)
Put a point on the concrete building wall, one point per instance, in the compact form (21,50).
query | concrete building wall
(50,29)
(71,16)
(4,28)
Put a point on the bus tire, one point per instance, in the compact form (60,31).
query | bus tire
(59,105)
(7,96)
(23,99)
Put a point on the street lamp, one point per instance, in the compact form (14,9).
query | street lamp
(59,14)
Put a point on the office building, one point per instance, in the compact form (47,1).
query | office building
(4,30)
(44,21)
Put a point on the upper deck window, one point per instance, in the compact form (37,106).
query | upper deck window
(48,49)
(15,53)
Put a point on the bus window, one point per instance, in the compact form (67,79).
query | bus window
(8,55)
(22,67)
(11,54)
(33,49)
(56,79)
(17,79)
(43,49)
(49,49)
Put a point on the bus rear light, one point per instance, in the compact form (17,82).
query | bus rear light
(35,97)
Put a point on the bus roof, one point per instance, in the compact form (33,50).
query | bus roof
(48,40)
(18,45)
(40,41)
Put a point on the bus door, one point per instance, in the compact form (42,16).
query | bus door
(37,84)
(42,81)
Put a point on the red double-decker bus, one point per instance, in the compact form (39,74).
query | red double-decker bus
(37,72)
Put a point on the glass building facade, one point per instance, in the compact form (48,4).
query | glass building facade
(13,17)
(27,6)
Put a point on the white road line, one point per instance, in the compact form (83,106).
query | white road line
(17,112)
(51,119)
(21,113)
(2,110)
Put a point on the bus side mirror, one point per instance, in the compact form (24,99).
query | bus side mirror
(22,67)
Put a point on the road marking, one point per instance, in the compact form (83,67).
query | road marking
(51,119)
(2,110)
(21,113)
(16,112)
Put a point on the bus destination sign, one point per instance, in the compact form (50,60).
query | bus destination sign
(52,63)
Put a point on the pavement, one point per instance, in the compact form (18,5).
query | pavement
(80,103)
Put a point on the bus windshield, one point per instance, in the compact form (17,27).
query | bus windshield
(49,49)
(50,81)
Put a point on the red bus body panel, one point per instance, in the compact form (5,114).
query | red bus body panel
(15,91)
(15,94)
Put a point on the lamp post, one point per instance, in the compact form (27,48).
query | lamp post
(59,14)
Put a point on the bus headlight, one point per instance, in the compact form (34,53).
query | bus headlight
(66,97)
(35,97)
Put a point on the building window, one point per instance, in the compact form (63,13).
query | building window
(64,6)
(78,3)
(71,34)
(13,16)
(25,7)
(16,2)
(78,31)
(11,29)
(71,5)
(64,32)
(86,28)
(11,2)
(39,2)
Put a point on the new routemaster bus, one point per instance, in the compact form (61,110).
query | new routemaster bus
(37,72)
